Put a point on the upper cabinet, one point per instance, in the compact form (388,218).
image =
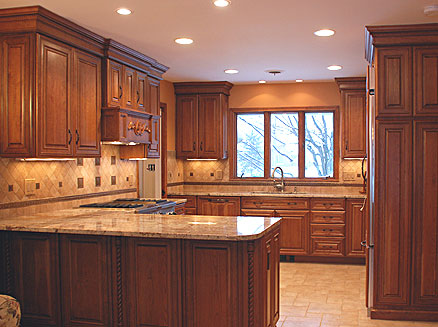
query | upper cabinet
(50,87)
(201,119)
(353,116)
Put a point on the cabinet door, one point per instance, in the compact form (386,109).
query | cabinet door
(394,80)
(393,200)
(85,280)
(187,126)
(210,126)
(425,254)
(294,236)
(35,277)
(114,84)
(141,91)
(54,121)
(426,80)
(15,86)
(153,270)
(129,97)
(153,150)
(154,96)
(356,228)
(354,124)
(212,206)
(87,104)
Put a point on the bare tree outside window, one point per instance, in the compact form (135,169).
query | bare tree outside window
(250,145)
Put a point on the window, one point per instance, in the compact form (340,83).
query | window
(302,141)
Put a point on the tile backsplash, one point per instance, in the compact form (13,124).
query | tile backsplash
(66,178)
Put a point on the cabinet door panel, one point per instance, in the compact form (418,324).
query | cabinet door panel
(222,206)
(35,268)
(53,116)
(393,212)
(426,80)
(153,150)
(87,104)
(114,84)
(425,254)
(141,91)
(354,121)
(294,236)
(16,129)
(394,82)
(187,126)
(210,126)
(129,91)
(85,280)
(153,270)
(154,96)
(355,228)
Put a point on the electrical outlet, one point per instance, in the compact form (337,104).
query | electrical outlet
(29,186)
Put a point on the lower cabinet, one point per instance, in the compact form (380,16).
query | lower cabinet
(294,232)
(218,206)
(356,228)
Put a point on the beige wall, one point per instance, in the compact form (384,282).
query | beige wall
(167,95)
(285,95)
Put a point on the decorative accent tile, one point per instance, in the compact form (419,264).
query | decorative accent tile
(97,161)
(10,188)
(80,182)
(113,160)
(97,181)
(37,186)
(113,180)
(80,161)
(60,184)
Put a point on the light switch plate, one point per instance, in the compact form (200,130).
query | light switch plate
(29,186)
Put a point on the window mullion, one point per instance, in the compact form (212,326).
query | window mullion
(301,142)
(267,144)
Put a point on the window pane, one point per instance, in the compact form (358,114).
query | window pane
(284,143)
(319,144)
(250,145)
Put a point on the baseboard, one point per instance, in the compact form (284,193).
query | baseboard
(410,315)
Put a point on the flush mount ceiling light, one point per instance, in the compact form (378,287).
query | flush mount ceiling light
(324,32)
(184,40)
(431,10)
(334,67)
(222,3)
(299,80)
(124,11)
(231,71)
(262,82)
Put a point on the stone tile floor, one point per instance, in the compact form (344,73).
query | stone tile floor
(327,295)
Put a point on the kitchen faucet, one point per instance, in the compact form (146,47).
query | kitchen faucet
(278,185)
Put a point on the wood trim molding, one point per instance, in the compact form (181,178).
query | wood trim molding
(202,87)
(351,83)
(251,301)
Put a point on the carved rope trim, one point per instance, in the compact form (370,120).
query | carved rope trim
(119,282)
(251,284)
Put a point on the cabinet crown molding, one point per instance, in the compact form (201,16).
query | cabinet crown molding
(351,83)
(202,87)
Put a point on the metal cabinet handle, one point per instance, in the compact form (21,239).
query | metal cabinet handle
(268,263)
(363,243)
(218,200)
(121,92)
(138,97)
(194,146)
(70,136)
(200,146)
(77,137)
(346,145)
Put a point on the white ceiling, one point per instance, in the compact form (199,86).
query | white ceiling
(250,35)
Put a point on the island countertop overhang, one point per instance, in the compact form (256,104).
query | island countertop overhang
(124,223)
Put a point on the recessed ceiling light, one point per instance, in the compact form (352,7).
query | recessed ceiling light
(231,71)
(262,82)
(124,11)
(221,3)
(184,40)
(299,80)
(324,32)
(334,67)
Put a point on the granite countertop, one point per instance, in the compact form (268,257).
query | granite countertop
(273,194)
(116,222)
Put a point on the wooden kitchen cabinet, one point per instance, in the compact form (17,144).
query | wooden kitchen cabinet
(201,119)
(425,80)
(353,116)
(356,227)
(190,207)
(218,206)
(294,232)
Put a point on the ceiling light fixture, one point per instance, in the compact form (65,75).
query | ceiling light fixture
(124,11)
(299,80)
(231,71)
(262,82)
(183,40)
(222,3)
(324,32)
(334,67)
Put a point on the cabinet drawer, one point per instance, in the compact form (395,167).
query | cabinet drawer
(327,217)
(327,230)
(191,199)
(190,211)
(328,204)
(257,212)
(328,246)
(259,202)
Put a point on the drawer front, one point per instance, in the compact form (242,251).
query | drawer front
(327,230)
(190,211)
(327,217)
(259,202)
(328,246)
(257,212)
(191,199)
(328,204)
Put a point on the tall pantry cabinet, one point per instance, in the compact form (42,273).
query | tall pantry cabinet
(405,276)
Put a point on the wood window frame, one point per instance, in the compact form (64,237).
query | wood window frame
(232,145)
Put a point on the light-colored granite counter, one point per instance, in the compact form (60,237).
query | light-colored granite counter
(273,194)
(116,222)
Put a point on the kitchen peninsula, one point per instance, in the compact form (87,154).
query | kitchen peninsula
(113,268)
